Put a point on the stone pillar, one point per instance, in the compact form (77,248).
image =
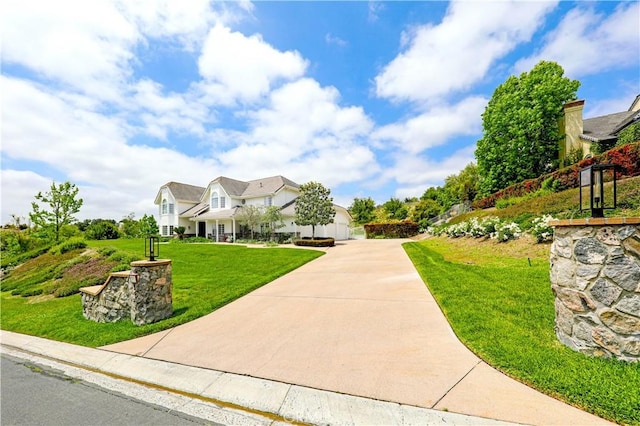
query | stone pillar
(151,291)
(595,276)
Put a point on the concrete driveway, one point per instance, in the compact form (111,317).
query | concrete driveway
(360,321)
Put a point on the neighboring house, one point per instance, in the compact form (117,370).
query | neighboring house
(216,210)
(581,134)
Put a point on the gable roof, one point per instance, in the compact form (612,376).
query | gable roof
(254,188)
(182,192)
(606,127)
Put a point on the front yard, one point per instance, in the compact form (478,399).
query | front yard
(205,277)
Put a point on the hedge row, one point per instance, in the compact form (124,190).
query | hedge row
(307,242)
(404,229)
(626,157)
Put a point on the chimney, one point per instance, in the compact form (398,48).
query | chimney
(573,128)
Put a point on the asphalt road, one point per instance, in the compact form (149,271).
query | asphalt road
(33,394)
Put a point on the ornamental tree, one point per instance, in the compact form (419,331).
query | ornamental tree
(62,205)
(520,127)
(314,206)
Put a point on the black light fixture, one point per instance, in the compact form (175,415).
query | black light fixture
(152,247)
(593,197)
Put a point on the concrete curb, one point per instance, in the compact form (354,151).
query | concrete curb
(259,401)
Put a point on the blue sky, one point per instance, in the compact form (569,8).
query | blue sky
(380,99)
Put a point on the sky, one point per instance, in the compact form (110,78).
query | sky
(372,99)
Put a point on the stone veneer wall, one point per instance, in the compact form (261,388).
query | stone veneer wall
(595,276)
(143,294)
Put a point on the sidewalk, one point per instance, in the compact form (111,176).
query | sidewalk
(353,337)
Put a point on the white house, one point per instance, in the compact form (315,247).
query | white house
(215,211)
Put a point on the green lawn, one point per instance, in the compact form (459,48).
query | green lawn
(502,309)
(205,277)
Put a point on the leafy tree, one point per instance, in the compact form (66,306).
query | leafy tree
(520,127)
(63,204)
(272,217)
(629,134)
(314,206)
(252,216)
(362,210)
(102,229)
(396,209)
(424,211)
(462,187)
(129,226)
(179,231)
(148,225)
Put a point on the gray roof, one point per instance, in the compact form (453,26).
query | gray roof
(254,188)
(195,210)
(606,127)
(182,192)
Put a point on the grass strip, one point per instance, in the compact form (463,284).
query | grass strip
(502,309)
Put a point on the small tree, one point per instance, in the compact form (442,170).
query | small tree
(314,206)
(63,204)
(148,225)
(252,216)
(362,210)
(272,217)
(179,231)
(396,209)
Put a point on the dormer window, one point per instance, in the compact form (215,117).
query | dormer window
(214,200)
(164,206)
(223,202)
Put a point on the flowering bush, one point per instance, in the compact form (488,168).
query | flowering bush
(506,231)
(541,229)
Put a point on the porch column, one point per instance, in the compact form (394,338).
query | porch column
(233,226)
(217,236)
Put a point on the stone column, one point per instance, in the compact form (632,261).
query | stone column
(595,276)
(151,291)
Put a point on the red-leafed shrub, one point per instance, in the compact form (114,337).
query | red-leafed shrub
(403,229)
(626,157)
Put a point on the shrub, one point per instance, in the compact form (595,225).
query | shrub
(403,229)
(69,245)
(541,229)
(307,242)
(506,231)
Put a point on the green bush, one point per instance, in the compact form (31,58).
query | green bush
(307,242)
(405,229)
(69,245)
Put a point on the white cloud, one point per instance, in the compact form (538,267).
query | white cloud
(452,56)
(18,189)
(91,150)
(240,68)
(331,39)
(598,107)
(374,9)
(84,45)
(305,131)
(586,42)
(434,127)
(414,174)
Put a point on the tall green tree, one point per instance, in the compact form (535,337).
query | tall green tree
(396,209)
(148,225)
(55,208)
(314,206)
(462,187)
(520,127)
(362,210)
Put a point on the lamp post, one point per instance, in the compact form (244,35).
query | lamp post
(152,247)
(592,180)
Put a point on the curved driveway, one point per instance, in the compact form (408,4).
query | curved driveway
(360,321)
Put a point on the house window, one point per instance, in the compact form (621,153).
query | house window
(221,229)
(171,230)
(164,230)
(170,208)
(214,200)
(164,206)
(268,201)
(223,202)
